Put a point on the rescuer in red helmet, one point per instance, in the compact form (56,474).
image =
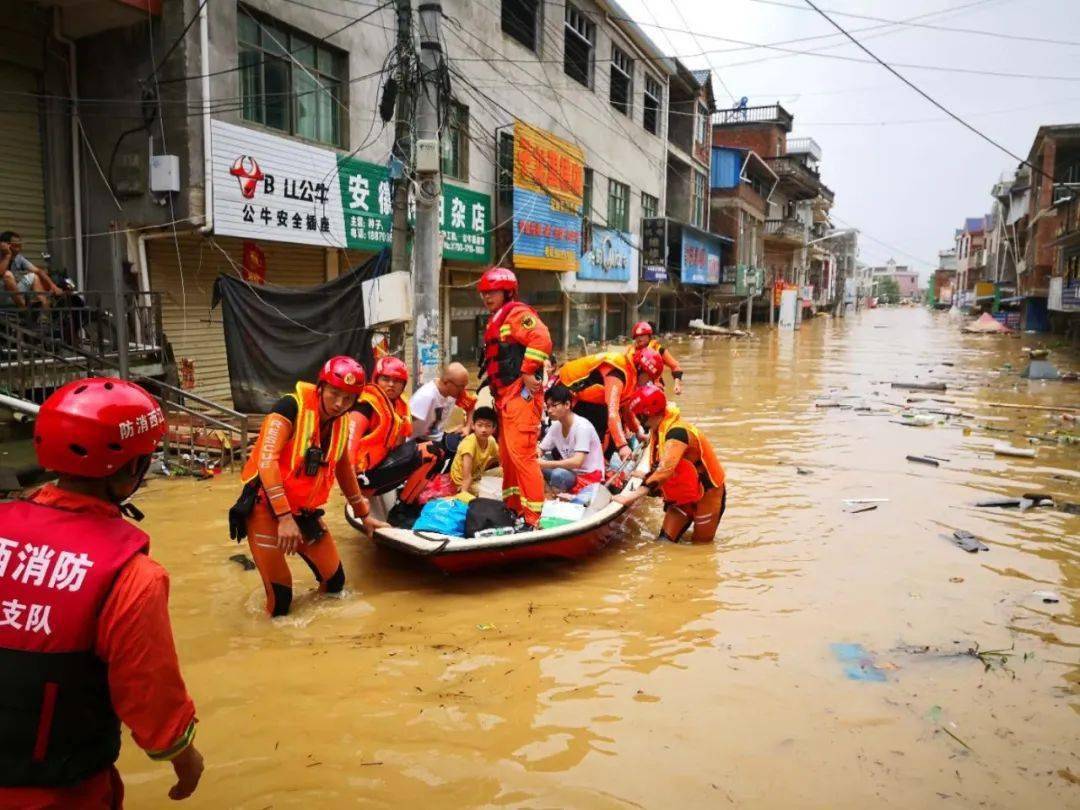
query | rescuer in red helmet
(603,385)
(683,469)
(642,335)
(516,344)
(85,638)
(301,450)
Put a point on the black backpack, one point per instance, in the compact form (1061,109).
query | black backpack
(487,513)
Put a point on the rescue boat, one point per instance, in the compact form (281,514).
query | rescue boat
(598,526)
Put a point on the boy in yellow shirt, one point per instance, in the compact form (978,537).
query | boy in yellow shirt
(477,453)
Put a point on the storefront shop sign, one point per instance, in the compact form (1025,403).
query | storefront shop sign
(654,250)
(367,199)
(700,259)
(609,265)
(272,188)
(548,185)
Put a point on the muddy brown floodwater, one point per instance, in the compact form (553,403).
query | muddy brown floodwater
(674,676)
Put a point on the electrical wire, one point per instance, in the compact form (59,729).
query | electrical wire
(909,24)
(926,95)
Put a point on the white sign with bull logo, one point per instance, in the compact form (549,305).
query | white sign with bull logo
(273,188)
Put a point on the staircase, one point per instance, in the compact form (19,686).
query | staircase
(41,352)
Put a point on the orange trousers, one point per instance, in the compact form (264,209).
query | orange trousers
(704,515)
(519,431)
(321,556)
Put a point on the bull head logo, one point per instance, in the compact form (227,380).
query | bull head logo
(247,172)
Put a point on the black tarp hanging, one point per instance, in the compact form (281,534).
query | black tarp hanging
(275,336)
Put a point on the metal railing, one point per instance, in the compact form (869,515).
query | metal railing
(766,114)
(804,146)
(790,229)
(88,321)
(35,362)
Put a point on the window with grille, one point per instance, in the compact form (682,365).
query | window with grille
(455,142)
(618,205)
(290,81)
(650,205)
(699,201)
(579,44)
(702,124)
(621,92)
(521,20)
(652,102)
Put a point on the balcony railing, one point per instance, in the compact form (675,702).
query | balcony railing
(804,146)
(768,114)
(801,181)
(789,230)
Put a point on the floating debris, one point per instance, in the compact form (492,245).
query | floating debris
(1003,449)
(968,542)
(924,460)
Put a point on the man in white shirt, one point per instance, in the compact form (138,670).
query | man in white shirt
(432,402)
(580,461)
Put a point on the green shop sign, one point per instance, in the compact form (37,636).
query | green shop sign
(367,203)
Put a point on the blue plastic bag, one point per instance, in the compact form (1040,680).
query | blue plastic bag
(443,516)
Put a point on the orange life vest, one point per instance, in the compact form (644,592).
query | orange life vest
(304,491)
(390,427)
(697,467)
(585,376)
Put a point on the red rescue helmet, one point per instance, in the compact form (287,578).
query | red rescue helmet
(640,329)
(391,367)
(649,400)
(649,361)
(93,427)
(343,373)
(499,278)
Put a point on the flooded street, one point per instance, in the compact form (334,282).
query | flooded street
(675,676)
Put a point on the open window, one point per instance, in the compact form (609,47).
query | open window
(621,92)
(579,46)
(521,21)
(652,102)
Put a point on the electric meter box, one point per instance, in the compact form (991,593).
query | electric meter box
(427,156)
(164,173)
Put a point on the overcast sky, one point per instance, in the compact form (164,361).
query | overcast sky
(903,173)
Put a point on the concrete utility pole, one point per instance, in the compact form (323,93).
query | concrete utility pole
(427,257)
(399,241)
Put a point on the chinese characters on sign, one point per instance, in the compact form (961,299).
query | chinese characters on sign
(610,265)
(654,250)
(272,188)
(700,258)
(548,184)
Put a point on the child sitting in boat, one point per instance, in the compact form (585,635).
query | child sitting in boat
(580,456)
(476,453)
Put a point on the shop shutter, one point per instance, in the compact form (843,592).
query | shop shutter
(22,203)
(195,332)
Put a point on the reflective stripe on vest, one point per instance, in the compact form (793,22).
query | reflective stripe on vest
(57,568)
(305,491)
(576,374)
(392,426)
(502,356)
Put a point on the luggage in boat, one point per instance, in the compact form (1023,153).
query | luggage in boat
(393,470)
(403,515)
(487,513)
(443,516)
(560,513)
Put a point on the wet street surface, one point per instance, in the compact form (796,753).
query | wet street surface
(815,656)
